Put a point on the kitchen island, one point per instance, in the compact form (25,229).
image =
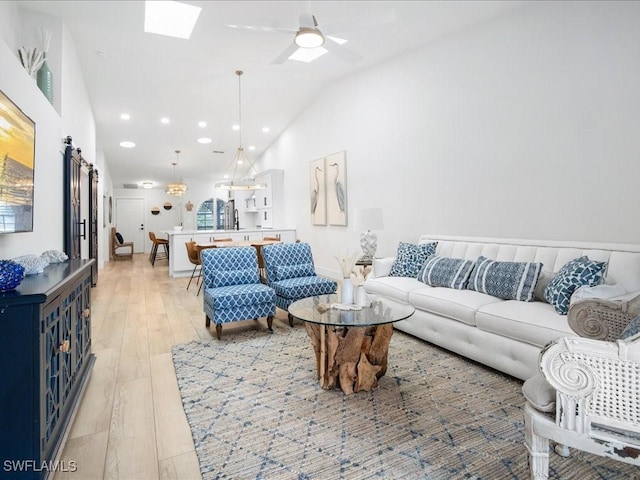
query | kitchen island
(179,264)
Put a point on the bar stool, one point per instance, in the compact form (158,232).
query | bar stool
(153,256)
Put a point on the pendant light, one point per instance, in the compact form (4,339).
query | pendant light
(240,158)
(175,188)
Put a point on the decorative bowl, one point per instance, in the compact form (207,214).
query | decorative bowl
(11,274)
(178,228)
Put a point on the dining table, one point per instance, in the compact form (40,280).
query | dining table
(257,244)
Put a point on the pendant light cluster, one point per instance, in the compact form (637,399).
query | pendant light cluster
(240,158)
(175,188)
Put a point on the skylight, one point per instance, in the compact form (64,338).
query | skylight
(173,19)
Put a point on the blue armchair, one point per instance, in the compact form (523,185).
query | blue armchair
(291,273)
(232,288)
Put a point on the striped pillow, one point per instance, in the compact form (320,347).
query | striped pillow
(445,272)
(508,280)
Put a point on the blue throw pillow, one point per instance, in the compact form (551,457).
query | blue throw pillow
(445,272)
(508,280)
(576,273)
(631,329)
(410,258)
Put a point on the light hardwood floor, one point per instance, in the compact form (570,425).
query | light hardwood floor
(130,424)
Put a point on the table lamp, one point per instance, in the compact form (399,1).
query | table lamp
(369,219)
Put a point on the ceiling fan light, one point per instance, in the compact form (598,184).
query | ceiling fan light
(309,38)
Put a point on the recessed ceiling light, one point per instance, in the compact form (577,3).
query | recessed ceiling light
(165,120)
(147,185)
(235,128)
(173,19)
(204,140)
(202,124)
(125,116)
(307,54)
(252,147)
(265,129)
(127,144)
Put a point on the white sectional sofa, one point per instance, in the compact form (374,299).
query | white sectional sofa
(503,334)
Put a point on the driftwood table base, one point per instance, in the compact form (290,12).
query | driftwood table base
(353,358)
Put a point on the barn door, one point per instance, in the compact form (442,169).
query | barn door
(93,223)
(72,222)
(80,224)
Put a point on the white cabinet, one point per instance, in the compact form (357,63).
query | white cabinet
(179,264)
(270,200)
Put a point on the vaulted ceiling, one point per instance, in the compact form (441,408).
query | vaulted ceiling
(151,76)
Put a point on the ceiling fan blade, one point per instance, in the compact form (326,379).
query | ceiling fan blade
(341,51)
(280,59)
(258,28)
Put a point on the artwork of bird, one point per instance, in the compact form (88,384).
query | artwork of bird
(339,188)
(316,192)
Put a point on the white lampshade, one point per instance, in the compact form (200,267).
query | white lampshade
(369,219)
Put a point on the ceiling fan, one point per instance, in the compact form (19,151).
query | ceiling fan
(309,36)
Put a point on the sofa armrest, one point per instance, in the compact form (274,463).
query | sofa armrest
(586,376)
(382,267)
(601,319)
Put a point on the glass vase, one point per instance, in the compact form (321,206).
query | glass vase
(44,80)
(347,291)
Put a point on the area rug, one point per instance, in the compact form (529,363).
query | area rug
(256,411)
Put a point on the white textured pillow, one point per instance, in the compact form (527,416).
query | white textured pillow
(599,291)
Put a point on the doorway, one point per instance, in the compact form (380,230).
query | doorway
(129,222)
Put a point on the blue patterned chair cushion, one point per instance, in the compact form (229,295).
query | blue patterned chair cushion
(229,266)
(576,273)
(286,259)
(508,280)
(410,257)
(284,272)
(302,287)
(631,329)
(282,261)
(447,272)
(234,296)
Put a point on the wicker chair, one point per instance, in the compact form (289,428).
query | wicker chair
(602,319)
(586,395)
(119,248)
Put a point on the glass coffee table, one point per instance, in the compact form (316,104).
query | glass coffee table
(350,345)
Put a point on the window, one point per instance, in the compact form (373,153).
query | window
(205,215)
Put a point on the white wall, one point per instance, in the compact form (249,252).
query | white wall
(523,127)
(72,116)
(197,193)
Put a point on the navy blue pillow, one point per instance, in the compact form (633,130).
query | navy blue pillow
(410,258)
(119,238)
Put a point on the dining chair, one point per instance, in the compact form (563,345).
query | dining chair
(154,255)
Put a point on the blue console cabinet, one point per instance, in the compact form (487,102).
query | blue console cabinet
(45,359)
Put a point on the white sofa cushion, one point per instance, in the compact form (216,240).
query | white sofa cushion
(393,287)
(536,323)
(460,305)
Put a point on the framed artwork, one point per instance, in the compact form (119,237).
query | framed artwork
(336,179)
(17,162)
(318,192)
